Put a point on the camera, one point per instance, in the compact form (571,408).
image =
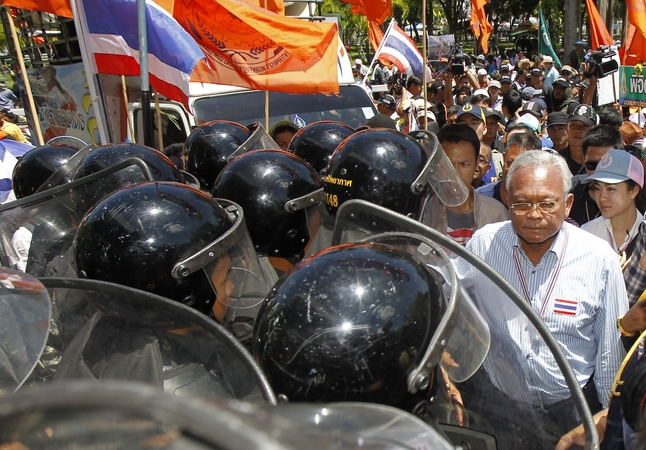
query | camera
(601,62)
(456,59)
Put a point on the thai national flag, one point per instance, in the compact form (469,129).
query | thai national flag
(400,49)
(567,307)
(7,163)
(112,36)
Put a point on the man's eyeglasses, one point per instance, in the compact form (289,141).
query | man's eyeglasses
(591,165)
(636,153)
(542,207)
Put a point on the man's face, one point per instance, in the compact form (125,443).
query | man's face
(450,118)
(575,132)
(463,157)
(492,128)
(283,139)
(464,81)
(482,79)
(484,163)
(534,185)
(384,109)
(592,157)
(558,135)
(474,122)
(223,287)
(510,156)
(559,91)
(505,87)
(460,98)
(537,80)
(415,89)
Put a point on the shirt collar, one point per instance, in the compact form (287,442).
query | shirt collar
(557,248)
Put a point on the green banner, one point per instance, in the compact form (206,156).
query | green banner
(545,43)
(632,87)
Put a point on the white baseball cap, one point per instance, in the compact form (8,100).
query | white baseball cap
(358,61)
(482,72)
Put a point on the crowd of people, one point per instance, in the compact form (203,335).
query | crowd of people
(517,164)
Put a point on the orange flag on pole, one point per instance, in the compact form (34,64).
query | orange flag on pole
(276,6)
(375,35)
(250,47)
(598,32)
(479,23)
(637,14)
(634,48)
(374,10)
(58,7)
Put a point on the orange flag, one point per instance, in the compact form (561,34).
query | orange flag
(598,32)
(374,10)
(637,14)
(375,35)
(250,47)
(58,7)
(634,49)
(479,23)
(276,6)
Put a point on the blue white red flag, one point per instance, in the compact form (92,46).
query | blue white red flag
(7,163)
(567,307)
(112,37)
(400,49)
(16,148)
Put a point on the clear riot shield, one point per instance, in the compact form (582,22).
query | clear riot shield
(25,312)
(128,415)
(37,231)
(259,140)
(505,396)
(104,331)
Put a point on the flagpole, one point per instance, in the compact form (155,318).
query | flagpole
(25,78)
(146,114)
(266,93)
(424,60)
(381,44)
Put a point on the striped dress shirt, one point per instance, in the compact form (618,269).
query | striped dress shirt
(578,290)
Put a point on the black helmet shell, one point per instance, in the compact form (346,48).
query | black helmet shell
(208,148)
(138,234)
(376,165)
(37,165)
(316,142)
(348,324)
(161,168)
(261,182)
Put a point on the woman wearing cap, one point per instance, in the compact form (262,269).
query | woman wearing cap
(616,182)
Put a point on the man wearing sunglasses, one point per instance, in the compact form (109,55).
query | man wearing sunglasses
(596,143)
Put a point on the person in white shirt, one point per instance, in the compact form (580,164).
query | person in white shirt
(615,184)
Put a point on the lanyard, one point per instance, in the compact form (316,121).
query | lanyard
(556,270)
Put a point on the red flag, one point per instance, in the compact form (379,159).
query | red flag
(374,10)
(598,32)
(58,7)
(250,47)
(479,23)
(637,14)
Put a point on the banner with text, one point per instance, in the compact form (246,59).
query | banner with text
(632,90)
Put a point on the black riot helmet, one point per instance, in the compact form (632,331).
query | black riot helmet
(212,145)
(349,323)
(37,165)
(380,166)
(316,142)
(141,163)
(275,189)
(171,240)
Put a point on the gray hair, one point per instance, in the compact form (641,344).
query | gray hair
(542,158)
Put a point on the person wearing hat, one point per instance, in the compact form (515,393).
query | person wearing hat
(537,82)
(568,72)
(528,93)
(561,97)
(520,79)
(360,68)
(615,185)
(387,105)
(557,130)
(494,123)
(474,117)
(435,97)
(482,78)
(7,98)
(580,121)
(381,121)
(494,94)
(505,85)
(629,132)
(550,73)
(576,55)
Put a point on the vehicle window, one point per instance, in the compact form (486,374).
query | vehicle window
(351,106)
(173,130)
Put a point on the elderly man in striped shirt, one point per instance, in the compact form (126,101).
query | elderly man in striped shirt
(573,280)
